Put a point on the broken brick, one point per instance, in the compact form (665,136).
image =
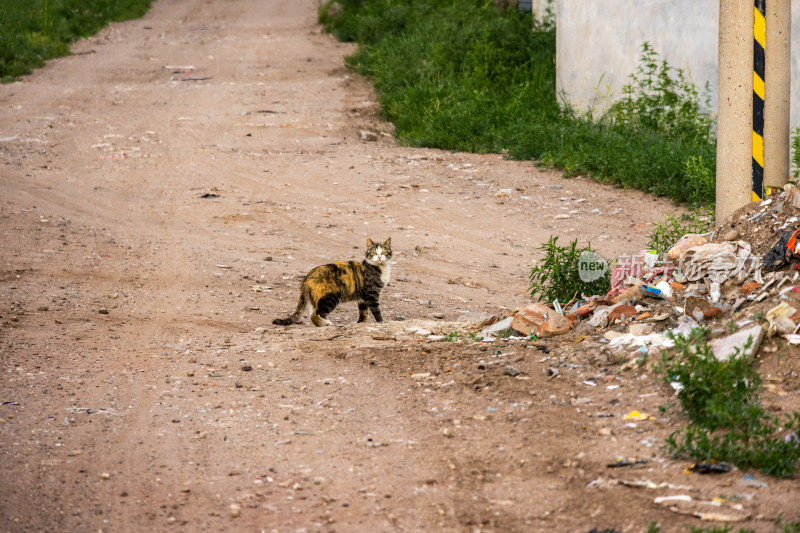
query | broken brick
(621,312)
(538,319)
(749,287)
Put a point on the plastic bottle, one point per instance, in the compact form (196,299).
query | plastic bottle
(713,292)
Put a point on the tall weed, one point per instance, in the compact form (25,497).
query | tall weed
(726,420)
(557,276)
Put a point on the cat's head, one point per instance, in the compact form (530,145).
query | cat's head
(379,253)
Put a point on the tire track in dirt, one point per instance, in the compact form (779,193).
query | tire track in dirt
(124,291)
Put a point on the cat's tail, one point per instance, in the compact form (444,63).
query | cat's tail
(297,316)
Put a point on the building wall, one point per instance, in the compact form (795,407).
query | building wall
(598,45)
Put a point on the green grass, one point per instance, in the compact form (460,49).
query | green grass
(726,420)
(32,31)
(464,75)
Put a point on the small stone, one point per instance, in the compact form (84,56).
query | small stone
(640,329)
(400,318)
(509,370)
(712,312)
(235,510)
(247,368)
(731,235)
(690,240)
(367,135)
(103,311)
(105,475)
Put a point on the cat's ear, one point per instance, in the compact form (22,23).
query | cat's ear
(369,242)
(388,242)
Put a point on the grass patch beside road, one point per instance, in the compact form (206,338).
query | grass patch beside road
(33,31)
(465,75)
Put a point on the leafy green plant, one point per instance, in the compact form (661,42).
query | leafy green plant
(557,276)
(726,420)
(451,337)
(668,232)
(660,98)
(474,337)
(505,333)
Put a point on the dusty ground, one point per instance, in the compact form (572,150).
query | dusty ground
(156,219)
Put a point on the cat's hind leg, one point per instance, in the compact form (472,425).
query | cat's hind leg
(325,305)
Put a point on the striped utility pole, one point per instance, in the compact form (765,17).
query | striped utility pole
(753,89)
(759,75)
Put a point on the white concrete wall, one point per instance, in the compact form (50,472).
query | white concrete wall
(599,43)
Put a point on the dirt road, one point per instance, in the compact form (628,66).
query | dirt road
(163,191)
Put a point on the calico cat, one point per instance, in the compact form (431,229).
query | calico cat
(325,286)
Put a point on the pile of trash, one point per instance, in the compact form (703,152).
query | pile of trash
(740,281)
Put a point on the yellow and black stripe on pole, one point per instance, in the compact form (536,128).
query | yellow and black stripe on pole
(759,63)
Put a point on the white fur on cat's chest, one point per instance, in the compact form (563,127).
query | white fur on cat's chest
(386,272)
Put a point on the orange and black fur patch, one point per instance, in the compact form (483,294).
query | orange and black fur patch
(326,286)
